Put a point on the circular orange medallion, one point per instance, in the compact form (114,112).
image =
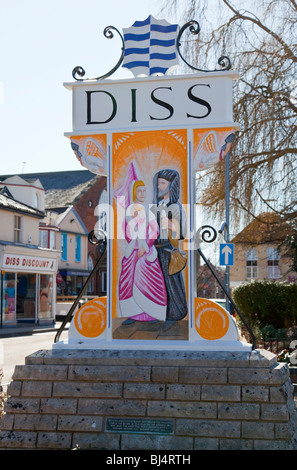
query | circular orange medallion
(211,320)
(90,319)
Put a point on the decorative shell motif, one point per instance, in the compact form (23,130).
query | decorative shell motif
(90,319)
(211,320)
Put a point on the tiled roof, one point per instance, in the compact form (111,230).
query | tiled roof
(267,228)
(9,203)
(62,188)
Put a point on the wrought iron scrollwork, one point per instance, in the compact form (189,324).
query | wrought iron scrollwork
(194,27)
(80,72)
(207,233)
(96,237)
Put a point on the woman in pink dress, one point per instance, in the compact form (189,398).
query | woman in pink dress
(142,292)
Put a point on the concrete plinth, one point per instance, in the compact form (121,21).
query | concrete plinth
(158,400)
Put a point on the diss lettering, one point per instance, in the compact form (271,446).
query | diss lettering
(12,261)
(156,95)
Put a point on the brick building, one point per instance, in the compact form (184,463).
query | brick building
(260,251)
(207,286)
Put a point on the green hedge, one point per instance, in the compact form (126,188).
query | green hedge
(267,303)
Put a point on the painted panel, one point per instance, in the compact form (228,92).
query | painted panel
(149,274)
(91,152)
(211,146)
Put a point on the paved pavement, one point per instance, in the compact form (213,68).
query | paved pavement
(23,329)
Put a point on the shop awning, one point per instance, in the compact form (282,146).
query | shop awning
(70,272)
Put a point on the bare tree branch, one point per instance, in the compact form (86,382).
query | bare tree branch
(261,43)
(256,21)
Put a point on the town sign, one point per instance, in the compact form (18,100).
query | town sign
(149,135)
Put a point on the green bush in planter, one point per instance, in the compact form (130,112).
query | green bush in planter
(267,303)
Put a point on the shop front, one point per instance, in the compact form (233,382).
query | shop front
(28,288)
(72,281)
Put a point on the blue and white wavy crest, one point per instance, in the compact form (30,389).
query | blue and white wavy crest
(150,47)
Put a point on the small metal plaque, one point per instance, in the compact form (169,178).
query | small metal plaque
(139,425)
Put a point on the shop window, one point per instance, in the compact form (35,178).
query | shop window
(76,284)
(9,297)
(26,296)
(78,248)
(17,228)
(46,296)
(273,268)
(64,246)
(251,264)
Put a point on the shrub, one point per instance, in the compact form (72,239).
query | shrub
(269,303)
(268,332)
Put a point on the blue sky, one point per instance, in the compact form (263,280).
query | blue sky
(40,44)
